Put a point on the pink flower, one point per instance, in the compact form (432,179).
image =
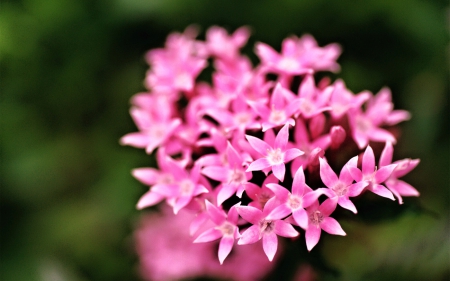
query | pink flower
(341,187)
(226,229)
(302,196)
(274,157)
(398,187)
(220,44)
(260,195)
(264,228)
(233,177)
(373,176)
(342,99)
(281,110)
(184,188)
(319,218)
(312,101)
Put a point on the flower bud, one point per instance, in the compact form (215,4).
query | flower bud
(337,134)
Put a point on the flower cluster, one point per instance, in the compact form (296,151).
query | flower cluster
(253,152)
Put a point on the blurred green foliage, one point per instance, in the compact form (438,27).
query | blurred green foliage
(68,69)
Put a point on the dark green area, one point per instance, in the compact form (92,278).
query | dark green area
(69,68)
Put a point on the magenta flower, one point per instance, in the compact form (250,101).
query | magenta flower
(264,228)
(226,229)
(398,187)
(342,99)
(341,187)
(260,195)
(274,157)
(373,176)
(319,218)
(302,196)
(312,101)
(220,44)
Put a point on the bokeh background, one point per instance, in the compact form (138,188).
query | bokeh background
(69,68)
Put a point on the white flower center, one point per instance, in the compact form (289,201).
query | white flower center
(237,177)
(186,187)
(294,202)
(363,124)
(275,156)
(227,229)
(340,189)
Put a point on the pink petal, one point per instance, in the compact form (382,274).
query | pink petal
(233,215)
(225,192)
(312,196)
(298,184)
(403,188)
(279,212)
(138,139)
(215,214)
(386,154)
(280,192)
(345,175)
(331,226)
(381,135)
(259,145)
(368,162)
(282,137)
(150,198)
(285,229)
(277,98)
(328,207)
(234,159)
(384,173)
(200,219)
(180,203)
(301,218)
(327,175)
(312,236)
(345,203)
(279,170)
(292,153)
(258,165)
(148,176)
(355,172)
(208,236)
(382,191)
(250,235)
(270,244)
(250,214)
(225,246)
(356,188)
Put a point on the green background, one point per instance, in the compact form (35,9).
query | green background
(69,68)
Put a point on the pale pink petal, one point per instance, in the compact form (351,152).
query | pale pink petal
(180,203)
(225,246)
(381,135)
(355,172)
(148,176)
(233,215)
(277,98)
(386,154)
(279,212)
(168,190)
(345,175)
(270,244)
(279,170)
(312,236)
(265,52)
(138,139)
(234,159)
(225,192)
(250,214)
(327,175)
(384,173)
(368,161)
(298,184)
(301,218)
(328,207)
(356,188)
(345,203)
(282,137)
(250,235)
(280,192)
(150,198)
(259,165)
(403,188)
(312,196)
(208,236)
(259,145)
(197,222)
(292,153)
(331,226)
(382,191)
(215,214)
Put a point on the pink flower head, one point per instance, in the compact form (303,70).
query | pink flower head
(312,101)
(319,218)
(342,99)
(264,228)
(372,175)
(398,187)
(226,229)
(302,196)
(341,187)
(274,157)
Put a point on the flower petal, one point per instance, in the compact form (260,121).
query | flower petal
(331,226)
(258,165)
(279,170)
(209,235)
(225,246)
(259,145)
(301,218)
(250,235)
(150,198)
(327,175)
(250,214)
(270,244)
(312,236)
